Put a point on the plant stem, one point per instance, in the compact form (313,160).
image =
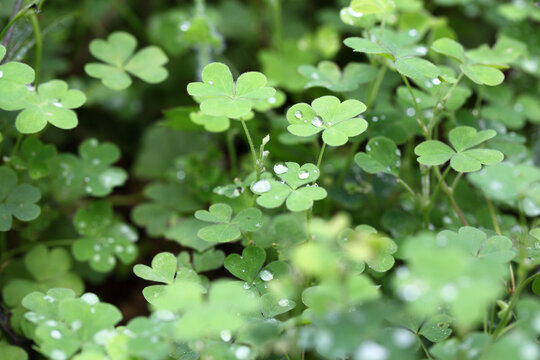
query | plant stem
(513,301)
(450,195)
(419,117)
(252,148)
(12,21)
(232,152)
(39,47)
(16,146)
(492,214)
(9,32)
(321,153)
(437,187)
(428,355)
(277,37)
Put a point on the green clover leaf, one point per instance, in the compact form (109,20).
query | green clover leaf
(117,54)
(382,155)
(105,238)
(366,245)
(337,120)
(17,201)
(246,266)
(404,58)
(90,173)
(462,157)
(368,7)
(51,103)
(12,352)
(47,270)
(461,270)
(14,78)
(478,67)
(328,75)
(34,157)
(185,233)
(219,95)
(210,259)
(291,189)
(215,124)
(163,269)
(226,228)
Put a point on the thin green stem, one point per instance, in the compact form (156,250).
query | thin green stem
(407,187)
(39,47)
(350,157)
(522,284)
(277,32)
(13,20)
(428,355)
(376,86)
(17,145)
(231,149)
(450,195)
(321,153)
(437,187)
(492,214)
(251,147)
(419,117)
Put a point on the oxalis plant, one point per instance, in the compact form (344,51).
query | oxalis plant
(380,203)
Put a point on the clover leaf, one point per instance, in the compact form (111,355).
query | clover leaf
(461,270)
(117,54)
(90,173)
(210,259)
(12,352)
(163,269)
(366,245)
(17,201)
(462,157)
(219,95)
(64,324)
(105,238)
(51,103)
(328,75)
(14,78)
(337,120)
(479,69)
(404,58)
(226,228)
(35,157)
(246,266)
(382,155)
(291,189)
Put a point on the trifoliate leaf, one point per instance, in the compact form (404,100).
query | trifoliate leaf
(51,103)
(14,78)
(328,75)
(105,238)
(226,227)
(337,120)
(220,96)
(117,54)
(291,190)
(462,157)
(163,269)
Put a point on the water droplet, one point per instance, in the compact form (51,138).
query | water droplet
(375,119)
(410,112)
(372,351)
(266,275)
(225,335)
(55,334)
(57,103)
(246,286)
(403,338)
(272,100)
(280,169)
(242,352)
(284,302)
(90,298)
(58,355)
(211,82)
(298,114)
(436,81)
(317,121)
(1,73)
(353,13)
(412,32)
(185,26)
(97,247)
(261,186)
(303,174)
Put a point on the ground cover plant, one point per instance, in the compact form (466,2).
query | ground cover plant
(267,179)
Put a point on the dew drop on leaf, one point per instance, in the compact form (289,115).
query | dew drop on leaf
(412,32)
(55,334)
(242,352)
(303,174)
(1,73)
(410,112)
(266,275)
(211,82)
(280,169)
(298,114)
(272,100)
(261,186)
(283,302)
(317,121)
(225,335)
